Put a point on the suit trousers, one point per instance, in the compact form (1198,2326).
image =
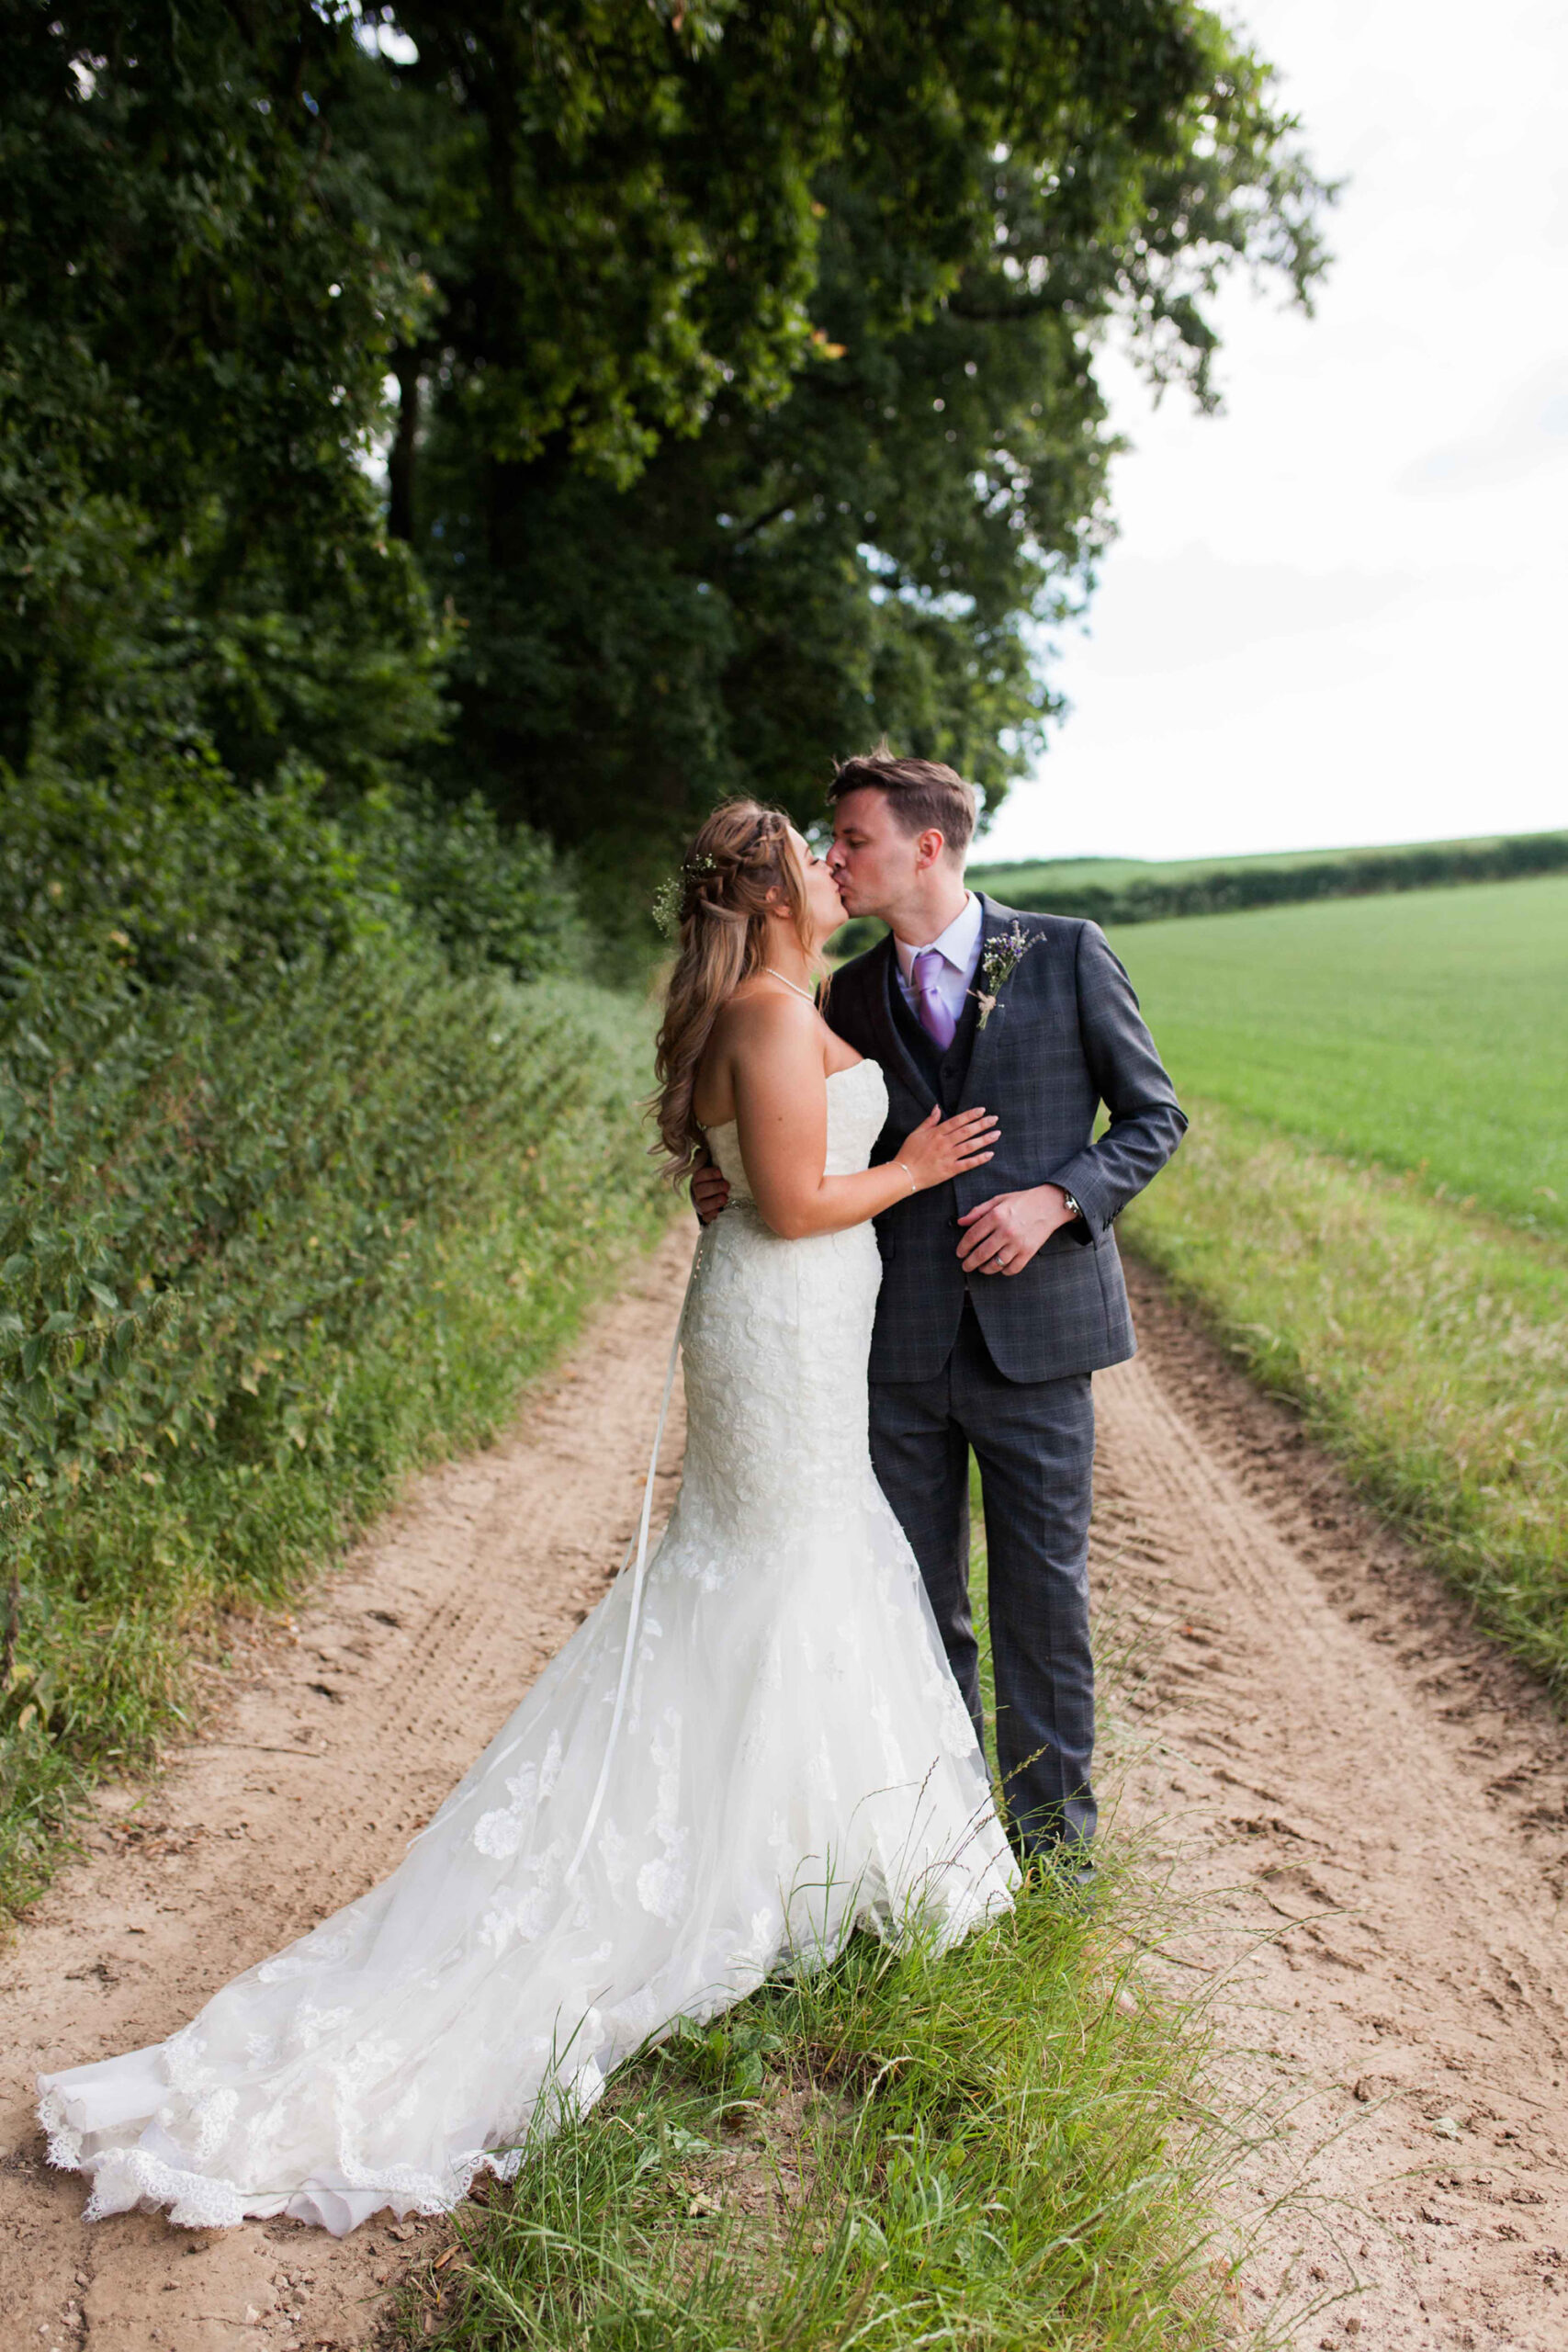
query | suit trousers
(1034,1445)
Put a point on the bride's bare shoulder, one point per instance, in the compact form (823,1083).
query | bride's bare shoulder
(765,1022)
(757,1028)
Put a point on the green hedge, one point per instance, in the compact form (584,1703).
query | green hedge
(262,1249)
(1123,890)
(192,882)
(1108,890)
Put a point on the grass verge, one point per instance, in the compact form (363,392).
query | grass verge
(1426,1343)
(989,2146)
(125,1580)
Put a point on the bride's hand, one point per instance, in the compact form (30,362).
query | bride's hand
(941,1148)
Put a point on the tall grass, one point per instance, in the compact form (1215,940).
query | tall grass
(993,2146)
(1427,1344)
(382,1222)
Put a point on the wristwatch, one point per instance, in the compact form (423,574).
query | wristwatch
(1073,1208)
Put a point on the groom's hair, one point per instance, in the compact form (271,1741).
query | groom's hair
(920,793)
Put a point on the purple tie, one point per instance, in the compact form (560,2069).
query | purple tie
(935,1019)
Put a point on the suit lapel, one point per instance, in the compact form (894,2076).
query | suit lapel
(994,919)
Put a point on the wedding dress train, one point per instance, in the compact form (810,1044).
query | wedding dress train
(788,1758)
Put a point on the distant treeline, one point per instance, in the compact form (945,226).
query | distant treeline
(1122,890)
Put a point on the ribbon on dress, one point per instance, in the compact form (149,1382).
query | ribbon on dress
(634,1616)
(634,1620)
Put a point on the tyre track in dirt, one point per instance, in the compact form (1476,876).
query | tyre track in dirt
(1364,1807)
(325,1751)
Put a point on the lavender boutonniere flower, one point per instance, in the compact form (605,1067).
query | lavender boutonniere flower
(1002,959)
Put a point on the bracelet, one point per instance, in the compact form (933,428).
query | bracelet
(914,1188)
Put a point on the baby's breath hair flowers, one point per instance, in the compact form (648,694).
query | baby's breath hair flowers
(669,906)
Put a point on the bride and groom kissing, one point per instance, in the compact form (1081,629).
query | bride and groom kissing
(768,1734)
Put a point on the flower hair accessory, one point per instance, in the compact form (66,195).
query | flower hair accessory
(670,898)
(1002,959)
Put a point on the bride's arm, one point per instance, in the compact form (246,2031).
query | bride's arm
(781,1108)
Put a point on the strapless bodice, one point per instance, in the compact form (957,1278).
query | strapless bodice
(857,1107)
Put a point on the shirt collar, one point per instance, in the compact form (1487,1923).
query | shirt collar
(957,943)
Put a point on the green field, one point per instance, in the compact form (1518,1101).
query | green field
(1371,1206)
(1426,1031)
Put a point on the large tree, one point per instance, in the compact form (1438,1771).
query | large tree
(733,366)
(198,300)
(720,579)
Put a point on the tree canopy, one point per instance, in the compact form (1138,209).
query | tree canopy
(604,405)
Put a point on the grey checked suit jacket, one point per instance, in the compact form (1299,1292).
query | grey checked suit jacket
(1066,1036)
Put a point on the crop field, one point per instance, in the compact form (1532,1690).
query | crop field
(1372,1202)
(1426,1031)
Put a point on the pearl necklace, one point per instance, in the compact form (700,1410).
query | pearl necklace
(808,993)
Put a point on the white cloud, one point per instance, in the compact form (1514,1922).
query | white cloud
(1333,614)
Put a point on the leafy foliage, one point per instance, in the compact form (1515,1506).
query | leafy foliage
(190,882)
(377,1193)
(742,356)
(199,305)
(879,547)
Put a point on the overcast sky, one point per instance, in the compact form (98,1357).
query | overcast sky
(1335,613)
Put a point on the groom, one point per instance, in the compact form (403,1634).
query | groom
(1002,1292)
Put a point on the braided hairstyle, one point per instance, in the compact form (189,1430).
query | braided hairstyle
(741,865)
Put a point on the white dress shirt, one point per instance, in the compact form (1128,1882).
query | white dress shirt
(959,945)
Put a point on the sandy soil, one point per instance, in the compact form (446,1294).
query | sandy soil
(1364,1812)
(329,1747)
(1365,1806)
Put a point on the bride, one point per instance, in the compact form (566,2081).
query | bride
(753,1746)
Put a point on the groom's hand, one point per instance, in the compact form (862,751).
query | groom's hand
(1002,1235)
(710,1192)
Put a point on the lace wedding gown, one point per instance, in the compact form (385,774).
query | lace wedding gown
(791,1759)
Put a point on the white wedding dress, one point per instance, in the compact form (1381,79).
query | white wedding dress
(791,1760)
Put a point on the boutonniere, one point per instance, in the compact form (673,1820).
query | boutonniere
(1002,959)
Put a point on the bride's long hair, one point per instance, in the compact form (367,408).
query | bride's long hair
(740,865)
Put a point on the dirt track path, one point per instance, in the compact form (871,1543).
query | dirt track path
(1309,1728)
(1367,1805)
(330,1750)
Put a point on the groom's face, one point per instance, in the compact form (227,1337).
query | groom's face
(873,860)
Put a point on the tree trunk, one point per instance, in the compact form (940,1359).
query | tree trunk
(401,457)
